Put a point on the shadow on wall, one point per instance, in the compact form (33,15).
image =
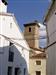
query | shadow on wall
(12,62)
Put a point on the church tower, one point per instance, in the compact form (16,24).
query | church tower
(31,34)
(3,6)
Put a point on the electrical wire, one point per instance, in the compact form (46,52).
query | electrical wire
(49,37)
(15,43)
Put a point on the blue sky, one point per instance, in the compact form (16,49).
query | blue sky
(28,10)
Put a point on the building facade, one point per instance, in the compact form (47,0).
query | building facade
(31,33)
(14,53)
(50,21)
(37,64)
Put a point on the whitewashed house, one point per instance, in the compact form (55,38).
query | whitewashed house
(50,21)
(14,51)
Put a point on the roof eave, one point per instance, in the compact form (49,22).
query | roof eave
(49,11)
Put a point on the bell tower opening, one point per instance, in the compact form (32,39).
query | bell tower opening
(29,29)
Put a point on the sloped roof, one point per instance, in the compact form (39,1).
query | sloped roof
(50,10)
(40,55)
(38,49)
(32,24)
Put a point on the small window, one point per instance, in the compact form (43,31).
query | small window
(24,71)
(38,62)
(11,56)
(55,13)
(17,71)
(10,25)
(9,71)
(29,29)
(38,72)
(11,44)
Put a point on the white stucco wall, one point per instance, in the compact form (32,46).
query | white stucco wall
(51,51)
(51,60)
(10,28)
(51,27)
(34,67)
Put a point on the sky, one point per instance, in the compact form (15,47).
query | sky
(29,10)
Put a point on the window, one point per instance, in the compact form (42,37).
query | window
(24,71)
(11,56)
(17,71)
(38,62)
(11,43)
(10,25)
(11,53)
(9,71)
(29,29)
(38,72)
(10,46)
(55,13)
